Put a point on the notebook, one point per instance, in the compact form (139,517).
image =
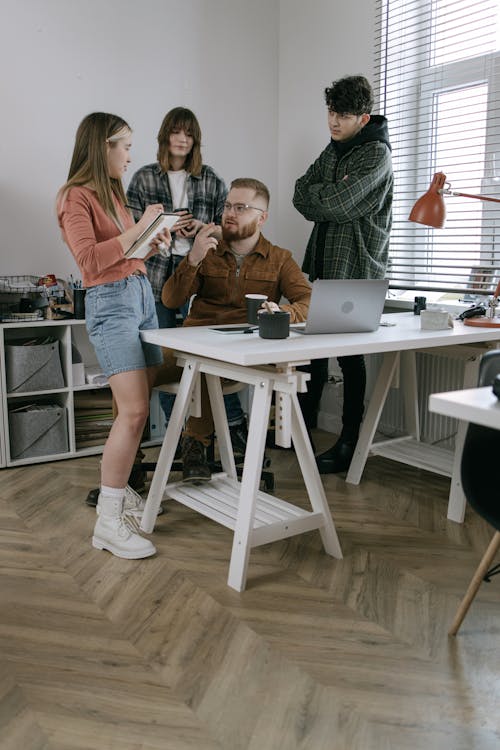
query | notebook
(141,246)
(345,306)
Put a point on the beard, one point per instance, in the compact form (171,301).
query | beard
(232,232)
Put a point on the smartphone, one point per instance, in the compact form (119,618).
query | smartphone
(236,329)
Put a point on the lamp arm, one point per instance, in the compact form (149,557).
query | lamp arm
(447,191)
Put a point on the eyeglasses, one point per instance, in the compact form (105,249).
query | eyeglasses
(240,208)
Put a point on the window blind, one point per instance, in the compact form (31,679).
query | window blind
(437,80)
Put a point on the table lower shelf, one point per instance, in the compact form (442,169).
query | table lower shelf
(219,500)
(408,450)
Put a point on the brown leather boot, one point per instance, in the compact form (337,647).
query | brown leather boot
(195,466)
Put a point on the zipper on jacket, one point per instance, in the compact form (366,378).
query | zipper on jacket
(236,285)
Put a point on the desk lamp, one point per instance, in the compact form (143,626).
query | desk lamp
(430,210)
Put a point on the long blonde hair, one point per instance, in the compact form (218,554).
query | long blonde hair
(89,163)
(180,118)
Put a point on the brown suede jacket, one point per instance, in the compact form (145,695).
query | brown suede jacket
(220,290)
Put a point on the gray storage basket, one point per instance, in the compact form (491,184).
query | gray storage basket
(38,430)
(33,365)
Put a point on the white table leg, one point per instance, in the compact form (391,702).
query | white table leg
(457,501)
(409,390)
(169,445)
(220,424)
(372,416)
(312,479)
(250,481)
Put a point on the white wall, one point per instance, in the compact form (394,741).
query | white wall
(320,41)
(61,59)
(253,72)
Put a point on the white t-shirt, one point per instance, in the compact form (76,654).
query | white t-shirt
(178,189)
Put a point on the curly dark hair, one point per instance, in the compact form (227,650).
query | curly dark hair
(351,95)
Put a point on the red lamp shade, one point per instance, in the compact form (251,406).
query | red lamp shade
(430,208)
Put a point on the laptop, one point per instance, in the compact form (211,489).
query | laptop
(345,306)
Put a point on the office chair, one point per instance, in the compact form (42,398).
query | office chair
(479,471)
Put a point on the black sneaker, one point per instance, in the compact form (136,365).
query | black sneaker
(195,466)
(239,437)
(93,497)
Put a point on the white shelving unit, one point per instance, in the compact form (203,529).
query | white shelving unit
(69,333)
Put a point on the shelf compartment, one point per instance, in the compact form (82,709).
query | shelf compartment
(38,428)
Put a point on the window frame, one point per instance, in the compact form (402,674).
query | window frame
(404,64)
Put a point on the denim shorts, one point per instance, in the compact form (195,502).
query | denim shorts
(115,315)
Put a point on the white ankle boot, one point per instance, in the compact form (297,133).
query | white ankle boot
(133,505)
(112,532)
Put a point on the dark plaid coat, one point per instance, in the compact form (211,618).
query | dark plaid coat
(349,199)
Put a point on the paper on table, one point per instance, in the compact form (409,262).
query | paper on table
(140,247)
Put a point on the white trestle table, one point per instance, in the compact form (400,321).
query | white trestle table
(270,365)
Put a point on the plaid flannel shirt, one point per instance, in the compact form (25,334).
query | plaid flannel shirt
(353,196)
(205,198)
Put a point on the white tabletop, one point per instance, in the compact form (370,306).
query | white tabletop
(478,405)
(250,349)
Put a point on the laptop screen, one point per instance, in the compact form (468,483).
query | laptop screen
(345,306)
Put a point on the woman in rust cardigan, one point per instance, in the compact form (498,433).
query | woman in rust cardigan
(98,229)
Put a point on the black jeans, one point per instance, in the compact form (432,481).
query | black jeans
(309,401)
(354,376)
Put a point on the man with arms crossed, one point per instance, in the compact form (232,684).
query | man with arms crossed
(220,273)
(347,193)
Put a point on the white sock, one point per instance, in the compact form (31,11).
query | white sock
(112,491)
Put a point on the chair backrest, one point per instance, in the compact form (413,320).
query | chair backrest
(480,454)
(489,367)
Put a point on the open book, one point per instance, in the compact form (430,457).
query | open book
(140,247)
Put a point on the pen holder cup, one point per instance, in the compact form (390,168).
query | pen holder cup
(254,303)
(79,303)
(274,325)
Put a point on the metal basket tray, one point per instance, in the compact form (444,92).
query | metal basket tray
(15,288)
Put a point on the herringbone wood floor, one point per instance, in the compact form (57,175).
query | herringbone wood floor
(99,653)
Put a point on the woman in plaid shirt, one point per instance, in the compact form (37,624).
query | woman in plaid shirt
(180,180)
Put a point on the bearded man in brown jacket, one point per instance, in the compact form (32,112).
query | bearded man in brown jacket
(220,273)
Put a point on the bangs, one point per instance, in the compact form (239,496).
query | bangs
(183,122)
(186,121)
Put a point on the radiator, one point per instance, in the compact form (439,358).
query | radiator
(443,370)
